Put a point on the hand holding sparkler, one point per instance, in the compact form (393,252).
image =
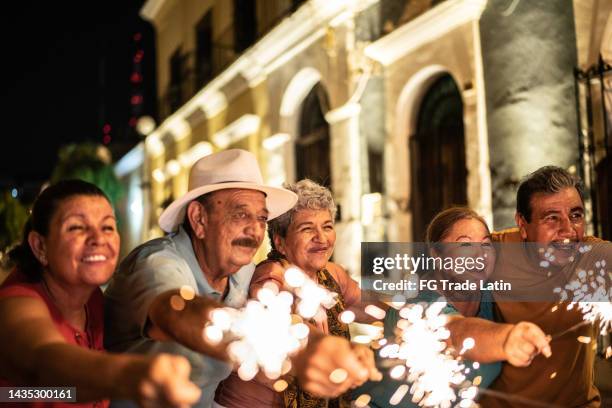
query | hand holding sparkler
(163,381)
(524,342)
(328,366)
(366,357)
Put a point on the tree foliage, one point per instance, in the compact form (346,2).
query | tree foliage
(13,216)
(89,162)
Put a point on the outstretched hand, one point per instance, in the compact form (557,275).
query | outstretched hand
(329,366)
(524,342)
(165,382)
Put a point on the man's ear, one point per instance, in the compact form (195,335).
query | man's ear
(198,218)
(279,244)
(521,222)
(38,246)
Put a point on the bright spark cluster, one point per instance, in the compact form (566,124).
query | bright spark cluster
(591,293)
(435,375)
(248,329)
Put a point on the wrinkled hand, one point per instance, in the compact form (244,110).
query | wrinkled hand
(323,356)
(165,382)
(525,341)
(366,357)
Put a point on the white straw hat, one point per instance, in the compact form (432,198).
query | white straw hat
(232,168)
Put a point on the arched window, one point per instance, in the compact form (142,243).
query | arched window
(437,153)
(312,145)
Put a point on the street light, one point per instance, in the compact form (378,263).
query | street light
(145,125)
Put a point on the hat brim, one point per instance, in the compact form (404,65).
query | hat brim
(278,202)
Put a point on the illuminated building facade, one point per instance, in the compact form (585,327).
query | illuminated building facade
(400,107)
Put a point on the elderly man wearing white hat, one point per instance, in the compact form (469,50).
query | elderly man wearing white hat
(215,230)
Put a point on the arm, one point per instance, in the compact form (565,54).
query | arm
(314,364)
(184,326)
(324,353)
(36,354)
(267,272)
(352,295)
(516,343)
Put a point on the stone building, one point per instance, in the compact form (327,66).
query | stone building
(401,107)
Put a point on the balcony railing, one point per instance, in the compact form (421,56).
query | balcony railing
(223,55)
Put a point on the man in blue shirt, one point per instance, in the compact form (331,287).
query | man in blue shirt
(215,230)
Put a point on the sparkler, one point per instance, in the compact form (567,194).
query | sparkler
(591,294)
(251,346)
(432,371)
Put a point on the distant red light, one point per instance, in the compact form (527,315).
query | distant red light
(138,56)
(132,122)
(135,77)
(106,128)
(136,99)
(106,139)
(137,37)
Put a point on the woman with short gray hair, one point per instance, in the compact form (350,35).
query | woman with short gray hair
(311,197)
(305,237)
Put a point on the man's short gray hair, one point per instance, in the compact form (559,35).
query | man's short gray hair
(311,196)
(547,180)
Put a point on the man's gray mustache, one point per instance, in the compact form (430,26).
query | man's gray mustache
(246,242)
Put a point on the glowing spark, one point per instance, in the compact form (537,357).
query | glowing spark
(286,367)
(398,372)
(213,334)
(554,308)
(221,319)
(362,401)
(591,293)
(347,317)
(177,303)
(466,403)
(361,339)
(247,371)
(313,297)
(398,394)
(248,329)
(468,344)
(280,385)
(594,311)
(300,331)
(553,375)
(470,393)
(338,376)
(187,292)
(433,372)
(375,311)
(294,277)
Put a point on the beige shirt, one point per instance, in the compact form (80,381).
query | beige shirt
(564,379)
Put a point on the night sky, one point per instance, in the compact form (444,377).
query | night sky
(67,71)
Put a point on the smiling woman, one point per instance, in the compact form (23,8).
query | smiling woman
(52,306)
(304,237)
